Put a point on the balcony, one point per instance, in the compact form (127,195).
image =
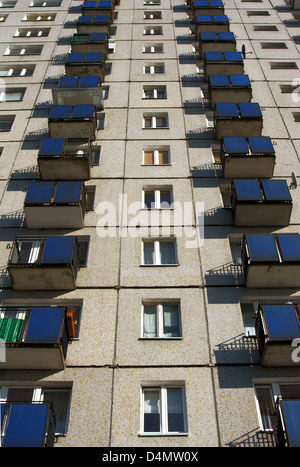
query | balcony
(207,7)
(73,121)
(90,24)
(243,157)
(232,88)
(223,63)
(95,8)
(44,263)
(231,119)
(216,42)
(276,327)
(90,64)
(63,159)
(286,422)
(261,203)
(271,260)
(72,90)
(208,23)
(36,338)
(27,425)
(55,205)
(96,42)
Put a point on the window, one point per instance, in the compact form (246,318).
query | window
(161,320)
(258,13)
(8,3)
(163,410)
(160,198)
(287,88)
(153,48)
(37,17)
(60,398)
(152,14)
(273,45)
(46,3)
(155,30)
(155,121)
(21,50)
(265,27)
(12,94)
(236,250)
(156,157)
(154,69)
(265,399)
(33,32)
(283,66)
(154,92)
(3,18)
(248,314)
(100,121)
(159,252)
(151,2)
(17,70)
(6,122)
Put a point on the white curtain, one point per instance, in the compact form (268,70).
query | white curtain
(150,321)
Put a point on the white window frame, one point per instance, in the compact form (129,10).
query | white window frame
(153,123)
(156,153)
(155,90)
(157,257)
(153,30)
(163,388)
(153,48)
(154,69)
(157,197)
(160,319)
(155,14)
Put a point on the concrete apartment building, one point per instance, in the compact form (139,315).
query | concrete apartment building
(149,220)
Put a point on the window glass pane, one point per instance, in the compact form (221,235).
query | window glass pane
(163,157)
(265,405)
(151,411)
(175,410)
(150,321)
(167,253)
(149,199)
(149,157)
(161,122)
(165,199)
(171,321)
(148,122)
(148,253)
(60,401)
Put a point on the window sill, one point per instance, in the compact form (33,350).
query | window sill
(159,265)
(160,338)
(156,128)
(162,434)
(156,165)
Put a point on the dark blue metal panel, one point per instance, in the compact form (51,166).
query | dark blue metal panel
(240,80)
(98,37)
(204,19)
(216,3)
(89,4)
(51,147)
(261,145)
(85,19)
(104,4)
(276,190)
(233,56)
(89,82)
(75,58)
(219,80)
(26,425)
(226,36)
(201,3)
(68,82)
(44,325)
(289,245)
(291,416)
(58,250)
(226,109)
(94,57)
(39,193)
(214,56)
(67,192)
(248,190)
(208,36)
(83,111)
(235,145)
(250,109)
(262,247)
(220,19)
(101,19)
(60,112)
(282,323)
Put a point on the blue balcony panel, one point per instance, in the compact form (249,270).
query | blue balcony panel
(214,56)
(94,57)
(89,82)
(250,110)
(227,110)
(51,147)
(247,190)
(75,58)
(235,145)
(208,36)
(26,425)
(68,82)
(276,190)
(233,56)
(83,111)
(291,416)
(68,192)
(289,245)
(226,36)
(219,80)
(98,37)
(261,145)
(60,112)
(282,322)
(39,193)
(262,248)
(58,250)
(44,325)
(240,80)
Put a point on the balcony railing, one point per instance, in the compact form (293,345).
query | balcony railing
(223,63)
(216,42)
(74,90)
